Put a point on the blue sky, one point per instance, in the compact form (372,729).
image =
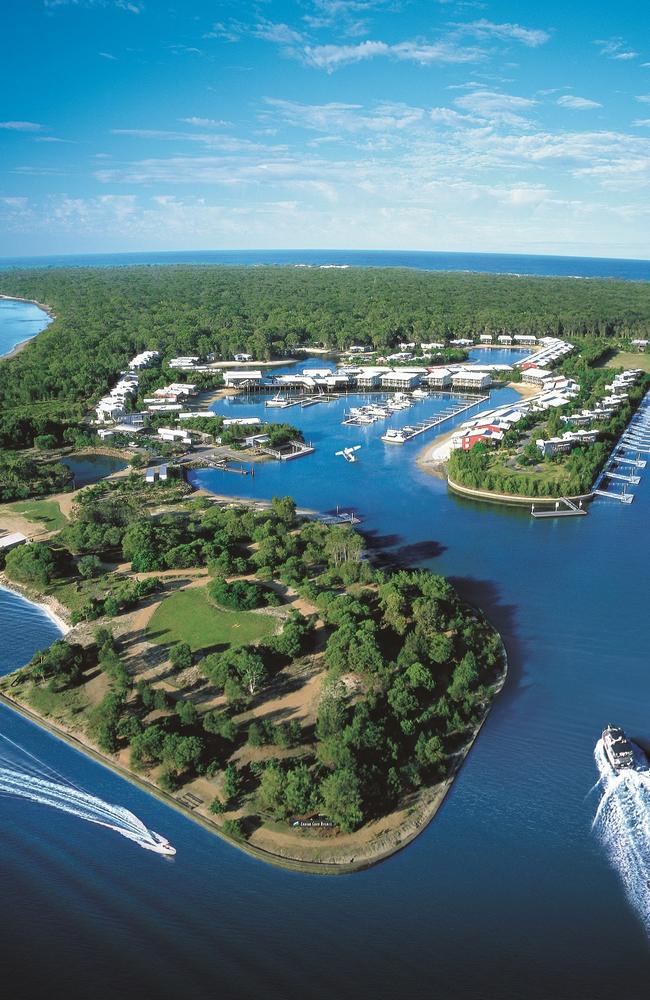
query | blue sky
(432,124)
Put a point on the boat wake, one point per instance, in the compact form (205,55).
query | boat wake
(24,776)
(622,823)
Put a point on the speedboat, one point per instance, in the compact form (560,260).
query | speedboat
(160,845)
(618,748)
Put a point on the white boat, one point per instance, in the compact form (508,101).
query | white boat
(278,400)
(160,845)
(420,394)
(394,436)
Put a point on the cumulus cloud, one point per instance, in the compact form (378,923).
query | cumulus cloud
(575,103)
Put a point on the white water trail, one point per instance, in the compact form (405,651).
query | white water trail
(34,782)
(622,823)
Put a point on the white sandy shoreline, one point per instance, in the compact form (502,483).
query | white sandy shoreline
(45,606)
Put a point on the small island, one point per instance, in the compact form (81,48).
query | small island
(256,669)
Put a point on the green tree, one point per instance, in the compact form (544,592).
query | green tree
(31,563)
(341,796)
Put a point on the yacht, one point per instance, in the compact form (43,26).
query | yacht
(618,748)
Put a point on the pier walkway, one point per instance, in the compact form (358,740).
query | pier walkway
(404,434)
(634,442)
(570,509)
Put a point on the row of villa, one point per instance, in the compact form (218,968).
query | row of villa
(489,427)
(349,379)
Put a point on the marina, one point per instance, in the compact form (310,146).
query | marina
(634,442)
(407,433)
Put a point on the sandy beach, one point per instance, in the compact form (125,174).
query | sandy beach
(52,608)
(17,348)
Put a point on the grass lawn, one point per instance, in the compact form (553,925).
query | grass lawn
(45,511)
(190,616)
(626,359)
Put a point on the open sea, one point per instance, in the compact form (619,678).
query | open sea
(508,895)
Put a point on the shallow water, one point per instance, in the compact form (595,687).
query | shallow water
(88,469)
(19,321)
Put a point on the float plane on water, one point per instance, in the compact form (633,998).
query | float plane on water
(349,454)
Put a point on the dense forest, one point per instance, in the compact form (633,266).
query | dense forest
(104,315)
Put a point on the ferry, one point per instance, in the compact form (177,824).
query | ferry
(618,748)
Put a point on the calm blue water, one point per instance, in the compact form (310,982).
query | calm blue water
(19,321)
(507,895)
(88,469)
(493,263)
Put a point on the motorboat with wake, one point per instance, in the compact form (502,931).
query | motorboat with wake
(618,749)
(160,845)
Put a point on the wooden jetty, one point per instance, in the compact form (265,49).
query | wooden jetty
(402,435)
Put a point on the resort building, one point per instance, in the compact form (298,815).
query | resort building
(468,378)
(143,360)
(400,379)
(505,338)
(525,339)
(488,434)
(536,376)
(172,434)
(486,338)
(439,378)
(11,540)
(187,362)
(243,379)
(640,343)
(369,378)
(569,440)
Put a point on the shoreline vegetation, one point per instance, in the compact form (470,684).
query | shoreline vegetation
(349,657)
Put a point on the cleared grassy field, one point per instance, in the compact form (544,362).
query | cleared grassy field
(190,616)
(626,359)
(46,512)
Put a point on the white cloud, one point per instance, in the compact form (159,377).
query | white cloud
(281,34)
(575,103)
(495,106)
(531,37)
(107,55)
(21,126)
(332,57)
(615,48)
(643,98)
(383,117)
(206,122)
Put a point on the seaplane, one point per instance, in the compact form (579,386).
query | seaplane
(349,454)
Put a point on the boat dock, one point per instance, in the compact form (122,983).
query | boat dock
(626,456)
(569,510)
(403,434)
